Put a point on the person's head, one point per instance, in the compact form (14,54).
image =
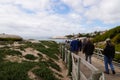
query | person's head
(108,41)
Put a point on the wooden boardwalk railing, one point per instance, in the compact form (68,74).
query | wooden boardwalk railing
(98,51)
(75,66)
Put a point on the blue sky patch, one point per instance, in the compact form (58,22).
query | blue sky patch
(25,10)
(61,8)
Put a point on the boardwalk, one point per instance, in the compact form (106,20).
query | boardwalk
(100,65)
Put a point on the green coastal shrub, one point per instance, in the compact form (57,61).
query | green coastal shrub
(4,52)
(108,34)
(117,47)
(30,57)
(6,42)
(51,51)
(15,71)
(19,71)
(45,74)
(117,57)
(116,39)
(53,65)
(12,52)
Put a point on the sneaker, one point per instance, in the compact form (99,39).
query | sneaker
(106,72)
(113,72)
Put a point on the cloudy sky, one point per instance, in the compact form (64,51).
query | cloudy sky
(36,18)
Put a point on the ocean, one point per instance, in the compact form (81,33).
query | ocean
(46,38)
(50,39)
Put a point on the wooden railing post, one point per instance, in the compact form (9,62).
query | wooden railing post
(78,73)
(69,64)
(60,49)
(63,53)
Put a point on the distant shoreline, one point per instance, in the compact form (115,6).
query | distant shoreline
(48,39)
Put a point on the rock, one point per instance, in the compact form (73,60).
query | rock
(6,37)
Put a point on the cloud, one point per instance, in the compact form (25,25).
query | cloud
(106,11)
(38,24)
(76,5)
(90,2)
(56,17)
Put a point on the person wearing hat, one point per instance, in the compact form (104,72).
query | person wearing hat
(109,52)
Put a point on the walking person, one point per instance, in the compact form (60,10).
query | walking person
(109,52)
(84,41)
(80,45)
(88,50)
(74,46)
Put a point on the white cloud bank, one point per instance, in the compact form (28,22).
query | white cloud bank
(106,10)
(39,18)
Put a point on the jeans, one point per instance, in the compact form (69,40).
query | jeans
(108,61)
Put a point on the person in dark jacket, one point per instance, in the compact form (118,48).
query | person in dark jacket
(88,50)
(80,45)
(109,52)
(74,46)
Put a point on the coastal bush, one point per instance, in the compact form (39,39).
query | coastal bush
(30,57)
(6,42)
(116,39)
(49,43)
(40,56)
(109,34)
(19,71)
(51,51)
(15,71)
(117,47)
(117,57)
(45,73)
(2,55)
(53,65)
(26,45)
(4,52)
(12,52)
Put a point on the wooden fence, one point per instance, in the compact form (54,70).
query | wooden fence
(98,51)
(76,65)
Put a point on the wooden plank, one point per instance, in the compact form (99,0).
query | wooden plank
(82,76)
(90,66)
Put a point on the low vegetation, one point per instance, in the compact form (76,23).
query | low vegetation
(30,57)
(19,71)
(45,73)
(11,39)
(114,35)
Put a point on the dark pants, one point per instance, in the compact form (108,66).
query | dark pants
(88,58)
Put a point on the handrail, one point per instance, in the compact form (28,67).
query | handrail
(116,52)
(98,51)
(73,63)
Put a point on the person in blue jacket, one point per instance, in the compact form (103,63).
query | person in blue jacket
(74,46)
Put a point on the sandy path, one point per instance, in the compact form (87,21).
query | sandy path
(64,70)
